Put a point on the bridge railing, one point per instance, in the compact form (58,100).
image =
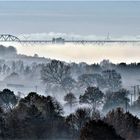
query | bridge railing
(11,38)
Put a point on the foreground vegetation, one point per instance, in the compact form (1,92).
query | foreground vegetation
(40,117)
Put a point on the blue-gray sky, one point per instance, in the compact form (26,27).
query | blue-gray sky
(84,18)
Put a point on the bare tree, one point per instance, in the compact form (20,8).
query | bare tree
(55,72)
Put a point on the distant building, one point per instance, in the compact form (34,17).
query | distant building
(58,40)
(36,55)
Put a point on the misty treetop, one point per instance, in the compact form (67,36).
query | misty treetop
(116,99)
(7,51)
(65,77)
(92,96)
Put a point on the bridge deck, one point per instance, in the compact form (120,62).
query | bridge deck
(74,41)
(11,38)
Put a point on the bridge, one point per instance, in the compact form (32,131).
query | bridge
(11,38)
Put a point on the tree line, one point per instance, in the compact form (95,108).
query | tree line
(42,117)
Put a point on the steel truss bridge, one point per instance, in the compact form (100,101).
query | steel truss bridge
(11,38)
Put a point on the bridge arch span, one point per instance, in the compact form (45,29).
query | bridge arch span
(8,38)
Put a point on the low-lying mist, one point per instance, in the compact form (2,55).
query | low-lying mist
(89,53)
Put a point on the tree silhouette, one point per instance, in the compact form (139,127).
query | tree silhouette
(92,96)
(112,80)
(125,124)
(98,130)
(79,118)
(70,99)
(68,84)
(36,117)
(55,72)
(136,106)
(116,99)
(87,80)
(7,99)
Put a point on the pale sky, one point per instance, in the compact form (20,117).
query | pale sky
(84,18)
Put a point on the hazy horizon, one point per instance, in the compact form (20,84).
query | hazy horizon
(74,20)
(92,53)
